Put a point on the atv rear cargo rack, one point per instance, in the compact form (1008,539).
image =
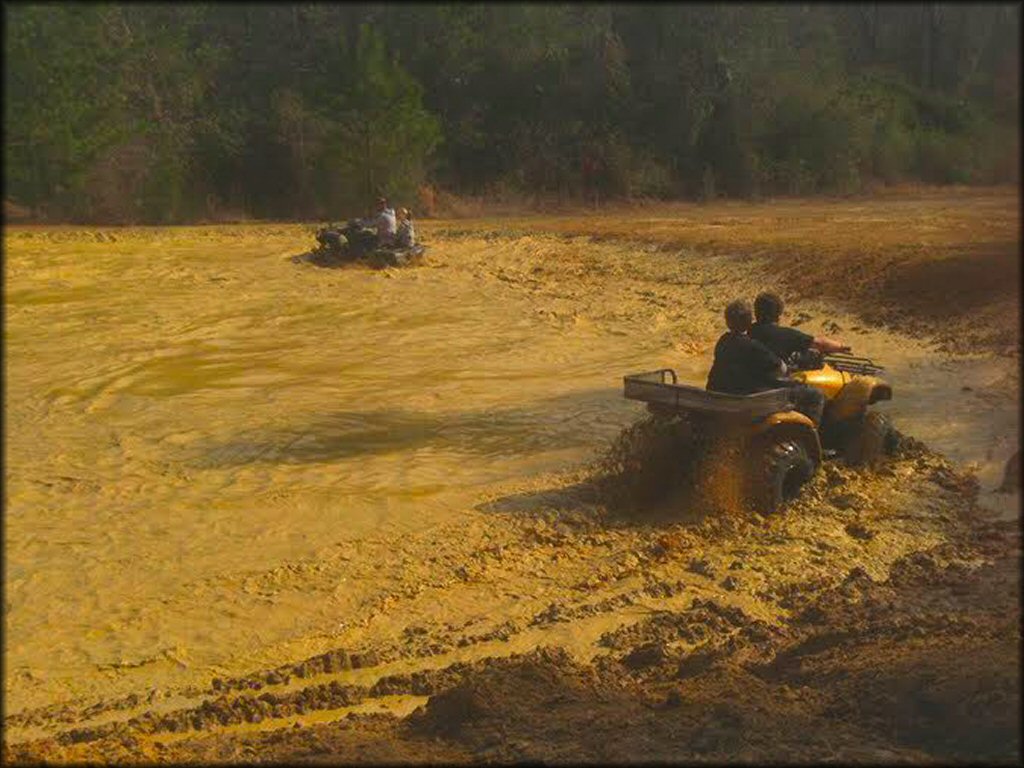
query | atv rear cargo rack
(661,388)
(843,361)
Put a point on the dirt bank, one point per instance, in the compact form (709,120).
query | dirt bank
(941,262)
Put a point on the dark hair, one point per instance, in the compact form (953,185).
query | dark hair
(767,307)
(738,316)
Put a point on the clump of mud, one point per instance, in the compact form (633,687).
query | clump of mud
(668,465)
(500,690)
(651,462)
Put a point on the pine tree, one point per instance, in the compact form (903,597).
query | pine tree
(379,135)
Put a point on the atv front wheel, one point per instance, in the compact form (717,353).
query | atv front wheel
(784,468)
(874,439)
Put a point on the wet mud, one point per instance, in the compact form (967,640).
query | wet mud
(701,658)
(326,259)
(300,564)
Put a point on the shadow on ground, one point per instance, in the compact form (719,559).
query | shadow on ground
(588,498)
(547,425)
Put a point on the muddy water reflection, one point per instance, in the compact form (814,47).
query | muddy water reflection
(195,426)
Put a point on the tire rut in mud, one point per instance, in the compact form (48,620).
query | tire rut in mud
(919,665)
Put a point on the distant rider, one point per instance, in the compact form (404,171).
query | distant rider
(383,221)
(375,231)
(405,236)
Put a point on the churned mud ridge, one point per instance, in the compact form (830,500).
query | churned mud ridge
(918,668)
(940,263)
(911,669)
(724,658)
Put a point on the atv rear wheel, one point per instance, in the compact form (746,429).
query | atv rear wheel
(779,472)
(872,440)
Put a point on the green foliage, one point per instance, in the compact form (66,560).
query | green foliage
(380,133)
(166,113)
(61,110)
(891,151)
(940,158)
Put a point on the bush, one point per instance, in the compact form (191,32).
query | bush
(814,137)
(941,158)
(649,176)
(995,152)
(113,186)
(891,151)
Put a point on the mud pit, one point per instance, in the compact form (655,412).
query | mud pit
(245,495)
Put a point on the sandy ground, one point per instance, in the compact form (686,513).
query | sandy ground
(265,511)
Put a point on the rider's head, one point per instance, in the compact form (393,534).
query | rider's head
(738,316)
(767,308)
(382,203)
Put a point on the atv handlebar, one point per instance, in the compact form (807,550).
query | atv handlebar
(808,360)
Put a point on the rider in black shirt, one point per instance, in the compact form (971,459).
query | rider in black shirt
(781,340)
(742,365)
(785,342)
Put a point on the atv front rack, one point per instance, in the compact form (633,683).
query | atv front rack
(844,361)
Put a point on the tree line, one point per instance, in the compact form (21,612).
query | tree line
(167,113)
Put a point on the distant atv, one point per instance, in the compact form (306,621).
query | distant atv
(778,449)
(355,244)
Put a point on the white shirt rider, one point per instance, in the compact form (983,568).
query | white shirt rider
(385,224)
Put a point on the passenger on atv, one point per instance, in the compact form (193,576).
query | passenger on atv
(405,236)
(743,365)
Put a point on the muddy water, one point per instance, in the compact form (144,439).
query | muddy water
(216,458)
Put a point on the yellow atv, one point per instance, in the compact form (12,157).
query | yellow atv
(850,384)
(775,448)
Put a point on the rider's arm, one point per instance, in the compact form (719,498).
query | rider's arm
(827,345)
